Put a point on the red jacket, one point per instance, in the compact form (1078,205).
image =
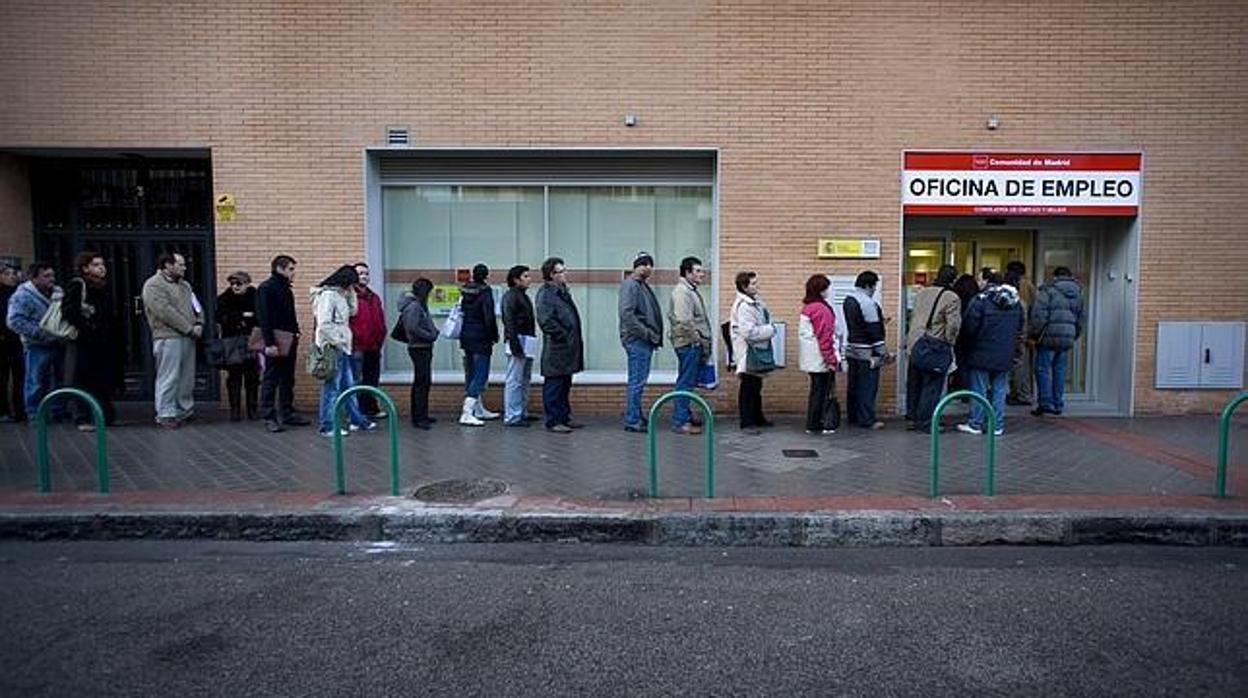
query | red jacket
(368,325)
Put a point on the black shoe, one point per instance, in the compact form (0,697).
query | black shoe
(431,420)
(766,423)
(1017,403)
(423,426)
(531,418)
(296,421)
(1041,411)
(521,423)
(635,428)
(573,425)
(273,427)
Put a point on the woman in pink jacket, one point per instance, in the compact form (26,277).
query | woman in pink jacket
(818,356)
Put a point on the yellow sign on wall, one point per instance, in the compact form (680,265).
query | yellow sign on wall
(226,210)
(838,248)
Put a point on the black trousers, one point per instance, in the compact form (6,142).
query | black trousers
(422,378)
(247,375)
(864,384)
(923,391)
(370,374)
(555,400)
(88,367)
(277,391)
(12,379)
(750,400)
(820,401)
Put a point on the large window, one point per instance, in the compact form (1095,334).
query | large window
(441,231)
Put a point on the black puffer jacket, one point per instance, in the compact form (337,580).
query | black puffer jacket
(1057,318)
(480,330)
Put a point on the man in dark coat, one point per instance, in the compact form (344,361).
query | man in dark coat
(275,311)
(563,352)
(1056,324)
(992,325)
(519,329)
(12,375)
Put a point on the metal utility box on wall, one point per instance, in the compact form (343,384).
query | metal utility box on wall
(1200,355)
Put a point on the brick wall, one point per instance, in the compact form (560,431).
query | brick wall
(15,222)
(811,104)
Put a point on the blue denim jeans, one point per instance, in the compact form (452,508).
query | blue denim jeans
(555,391)
(331,389)
(992,385)
(476,374)
(688,363)
(43,375)
(516,389)
(640,355)
(1051,378)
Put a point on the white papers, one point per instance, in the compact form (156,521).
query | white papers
(528,343)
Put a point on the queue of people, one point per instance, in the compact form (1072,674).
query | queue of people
(998,336)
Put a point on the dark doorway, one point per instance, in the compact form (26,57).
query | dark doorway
(130,210)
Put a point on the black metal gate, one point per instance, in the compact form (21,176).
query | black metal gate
(130,210)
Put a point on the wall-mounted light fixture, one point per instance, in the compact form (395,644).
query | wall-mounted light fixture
(994,122)
(630,120)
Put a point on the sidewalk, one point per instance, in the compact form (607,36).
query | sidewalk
(1057,479)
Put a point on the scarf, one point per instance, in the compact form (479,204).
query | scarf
(870,309)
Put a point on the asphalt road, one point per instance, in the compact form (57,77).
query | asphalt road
(202,618)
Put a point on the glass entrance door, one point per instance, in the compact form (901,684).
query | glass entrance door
(1075,252)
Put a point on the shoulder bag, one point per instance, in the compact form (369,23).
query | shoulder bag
(929,354)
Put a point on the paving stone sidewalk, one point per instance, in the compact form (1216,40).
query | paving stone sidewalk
(1149,456)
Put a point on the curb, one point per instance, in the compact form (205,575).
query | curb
(783,529)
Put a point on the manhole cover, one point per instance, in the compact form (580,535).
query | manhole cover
(799,453)
(460,490)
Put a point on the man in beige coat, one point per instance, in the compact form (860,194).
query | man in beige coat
(176,322)
(942,305)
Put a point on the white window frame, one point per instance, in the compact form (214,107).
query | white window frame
(375,246)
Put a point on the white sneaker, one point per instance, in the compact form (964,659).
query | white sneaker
(329,433)
(968,429)
(368,426)
(468,417)
(999,432)
(480,412)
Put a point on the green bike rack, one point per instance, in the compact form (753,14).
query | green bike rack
(1224,438)
(339,477)
(41,437)
(990,486)
(708,419)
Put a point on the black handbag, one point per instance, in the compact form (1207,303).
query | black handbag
(931,355)
(399,333)
(227,351)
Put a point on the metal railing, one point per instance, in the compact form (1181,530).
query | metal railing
(1224,439)
(41,437)
(991,433)
(708,423)
(393,426)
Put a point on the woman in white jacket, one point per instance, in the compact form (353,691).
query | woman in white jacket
(751,328)
(333,304)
